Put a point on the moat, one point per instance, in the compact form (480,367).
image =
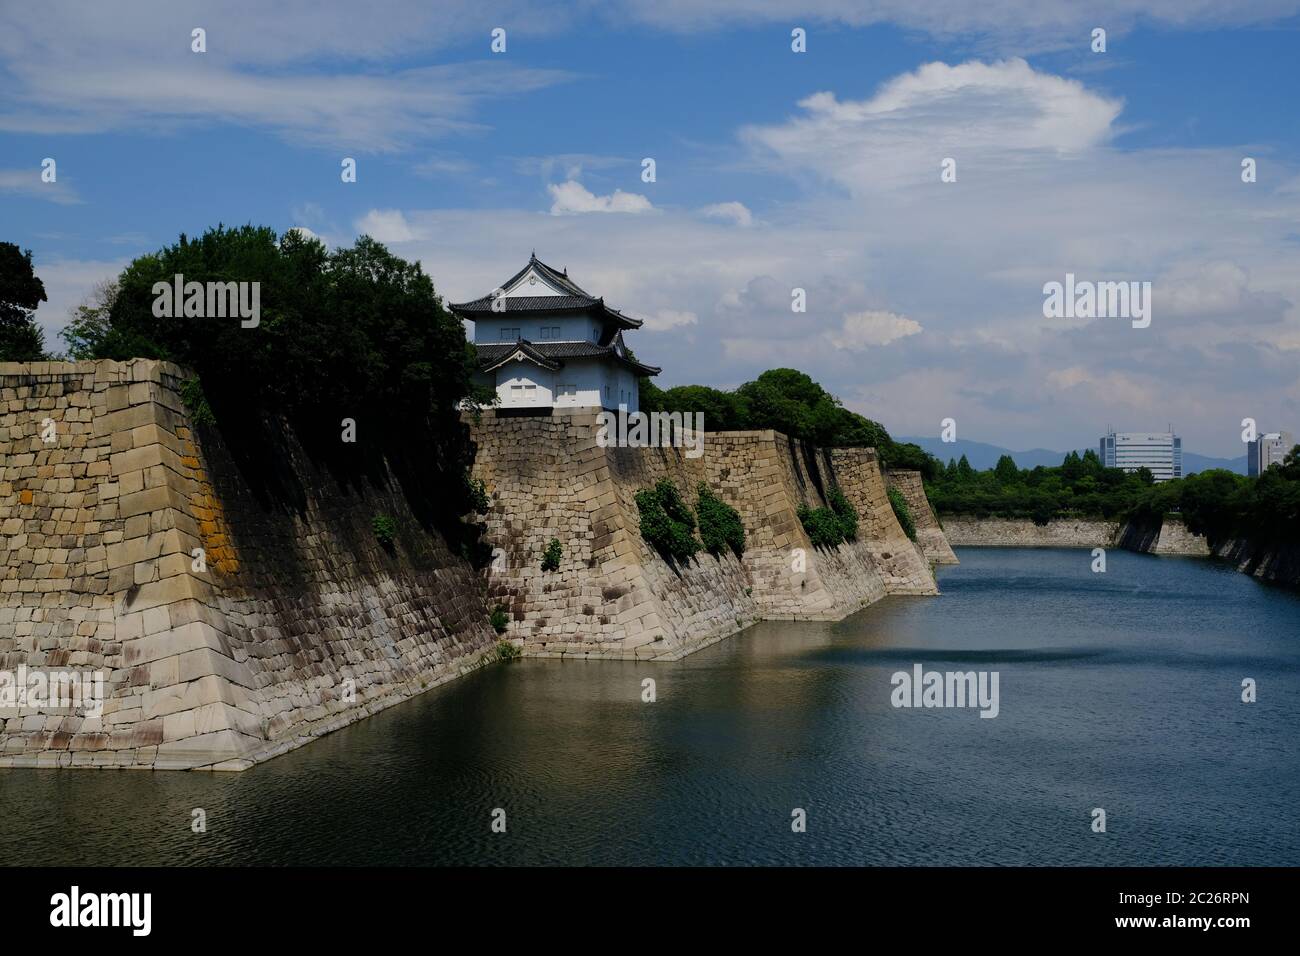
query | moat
(1119,690)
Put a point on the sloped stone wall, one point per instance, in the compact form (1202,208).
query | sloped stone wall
(929,535)
(1176,539)
(294,624)
(230,625)
(899,561)
(613,596)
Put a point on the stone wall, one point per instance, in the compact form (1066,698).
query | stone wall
(1170,536)
(614,596)
(929,535)
(962,530)
(1279,564)
(295,622)
(238,604)
(1276,565)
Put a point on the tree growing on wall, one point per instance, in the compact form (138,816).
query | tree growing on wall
(788,401)
(21,291)
(355,334)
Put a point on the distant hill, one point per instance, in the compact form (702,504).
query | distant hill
(982,455)
(1192,463)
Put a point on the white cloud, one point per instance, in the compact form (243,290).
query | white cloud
(28,182)
(68,283)
(386,225)
(306,233)
(308,72)
(733,212)
(983,115)
(572,198)
(666,319)
(881,258)
(1016,24)
(862,330)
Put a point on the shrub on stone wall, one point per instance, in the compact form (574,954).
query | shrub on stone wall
(828,527)
(385,529)
(720,524)
(846,513)
(667,525)
(479,498)
(821,525)
(197,403)
(499,619)
(902,512)
(551,556)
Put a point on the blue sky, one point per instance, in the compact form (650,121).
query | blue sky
(775,170)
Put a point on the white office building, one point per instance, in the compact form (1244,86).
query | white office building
(1267,450)
(1161,452)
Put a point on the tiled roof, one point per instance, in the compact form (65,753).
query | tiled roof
(529,303)
(572,297)
(552,354)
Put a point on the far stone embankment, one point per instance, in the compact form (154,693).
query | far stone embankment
(1275,564)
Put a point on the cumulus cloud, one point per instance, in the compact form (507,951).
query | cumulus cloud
(666,319)
(979,114)
(572,198)
(862,330)
(387,225)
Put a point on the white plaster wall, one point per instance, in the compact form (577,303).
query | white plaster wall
(589,377)
(573,328)
(525,373)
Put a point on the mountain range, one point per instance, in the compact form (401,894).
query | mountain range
(982,455)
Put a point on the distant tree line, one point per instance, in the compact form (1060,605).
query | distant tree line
(1218,504)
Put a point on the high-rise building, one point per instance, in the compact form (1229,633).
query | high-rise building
(1267,450)
(1161,452)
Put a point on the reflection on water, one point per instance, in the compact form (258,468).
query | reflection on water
(1118,690)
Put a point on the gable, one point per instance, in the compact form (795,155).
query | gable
(531,284)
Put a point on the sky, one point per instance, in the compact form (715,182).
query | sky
(775,170)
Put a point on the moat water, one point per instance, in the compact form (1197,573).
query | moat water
(1119,691)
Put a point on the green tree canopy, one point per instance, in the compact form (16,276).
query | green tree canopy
(788,401)
(21,291)
(356,333)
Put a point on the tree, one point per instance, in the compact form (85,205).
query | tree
(21,291)
(722,411)
(90,324)
(356,333)
(1006,471)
